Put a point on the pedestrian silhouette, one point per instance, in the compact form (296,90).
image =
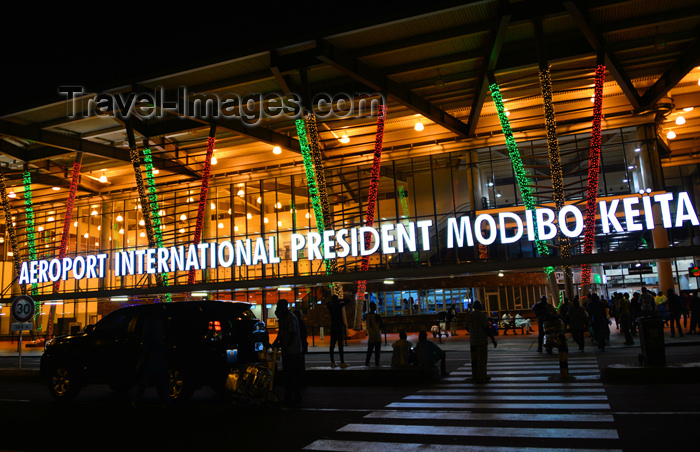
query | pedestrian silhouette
(374,340)
(479,328)
(335,308)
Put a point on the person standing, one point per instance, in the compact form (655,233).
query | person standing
(480,331)
(597,309)
(304,337)
(646,300)
(452,319)
(374,334)
(542,311)
(635,311)
(577,318)
(675,308)
(289,340)
(624,317)
(694,306)
(335,308)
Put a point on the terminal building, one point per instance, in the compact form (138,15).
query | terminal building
(476,151)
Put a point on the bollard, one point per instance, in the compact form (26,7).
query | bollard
(563,364)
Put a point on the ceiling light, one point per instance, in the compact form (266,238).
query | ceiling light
(671,135)
(388,281)
(41,228)
(278,205)
(183,217)
(120,218)
(75,224)
(277,150)
(235,228)
(142,223)
(93,213)
(419,126)
(213,206)
(345,139)
(259,199)
(142,234)
(155,171)
(181,230)
(161,213)
(500,274)
(637,149)
(12,194)
(265,220)
(498,194)
(592,98)
(506,111)
(121,231)
(221,225)
(86,235)
(249,216)
(307,215)
(190,199)
(50,219)
(103,178)
(279,223)
(680,120)
(55,188)
(688,109)
(241,193)
(213,160)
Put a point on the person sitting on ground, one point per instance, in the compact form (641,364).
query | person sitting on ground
(520,321)
(507,323)
(428,353)
(402,350)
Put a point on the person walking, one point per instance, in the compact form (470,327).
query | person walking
(335,308)
(577,319)
(289,340)
(480,331)
(542,311)
(375,325)
(624,317)
(675,308)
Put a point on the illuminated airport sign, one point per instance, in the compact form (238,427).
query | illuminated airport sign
(391,238)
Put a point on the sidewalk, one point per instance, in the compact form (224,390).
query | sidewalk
(618,362)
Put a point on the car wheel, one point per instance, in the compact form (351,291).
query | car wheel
(180,387)
(63,383)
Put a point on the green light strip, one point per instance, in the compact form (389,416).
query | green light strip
(153,204)
(311,180)
(31,237)
(520,174)
(403,200)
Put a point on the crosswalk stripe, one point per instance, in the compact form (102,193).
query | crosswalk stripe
(501,417)
(495,397)
(372,446)
(500,406)
(513,432)
(471,390)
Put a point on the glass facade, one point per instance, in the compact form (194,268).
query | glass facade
(432,185)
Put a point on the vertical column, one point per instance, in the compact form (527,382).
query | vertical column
(593,172)
(204,190)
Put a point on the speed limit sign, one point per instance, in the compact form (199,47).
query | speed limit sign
(22,308)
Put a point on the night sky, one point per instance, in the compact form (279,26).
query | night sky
(120,45)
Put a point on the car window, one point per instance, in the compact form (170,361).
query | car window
(115,323)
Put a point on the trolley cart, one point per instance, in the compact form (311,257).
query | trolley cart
(255,382)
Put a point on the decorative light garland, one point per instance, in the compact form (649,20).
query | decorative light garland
(555,161)
(145,209)
(372,197)
(153,200)
(593,171)
(203,192)
(65,234)
(312,184)
(31,236)
(10,228)
(521,176)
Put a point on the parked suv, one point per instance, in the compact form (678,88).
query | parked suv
(205,341)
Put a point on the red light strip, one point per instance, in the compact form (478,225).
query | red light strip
(373,191)
(593,171)
(203,192)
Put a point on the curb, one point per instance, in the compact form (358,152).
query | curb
(669,374)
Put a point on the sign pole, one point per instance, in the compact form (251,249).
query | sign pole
(20,349)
